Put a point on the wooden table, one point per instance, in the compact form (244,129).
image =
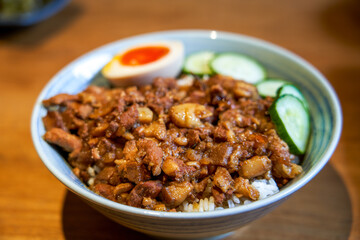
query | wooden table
(35,205)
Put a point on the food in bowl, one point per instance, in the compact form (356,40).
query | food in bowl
(141,63)
(193,144)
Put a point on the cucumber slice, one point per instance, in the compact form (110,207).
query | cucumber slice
(269,87)
(292,121)
(239,67)
(198,63)
(292,90)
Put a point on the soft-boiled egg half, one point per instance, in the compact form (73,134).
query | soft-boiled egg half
(140,64)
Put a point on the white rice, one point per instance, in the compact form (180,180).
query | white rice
(265,187)
(91,181)
(211,204)
(185,81)
(230,203)
(236,200)
(91,171)
(247,202)
(200,205)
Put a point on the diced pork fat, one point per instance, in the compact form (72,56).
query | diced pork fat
(122,188)
(189,115)
(223,179)
(255,166)
(284,171)
(176,193)
(177,169)
(244,188)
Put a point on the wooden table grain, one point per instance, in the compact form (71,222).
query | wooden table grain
(35,205)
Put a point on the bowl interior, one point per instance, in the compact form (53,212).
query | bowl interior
(324,107)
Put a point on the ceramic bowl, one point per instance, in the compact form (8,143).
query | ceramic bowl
(326,120)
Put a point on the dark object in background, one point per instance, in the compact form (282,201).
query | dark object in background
(18,13)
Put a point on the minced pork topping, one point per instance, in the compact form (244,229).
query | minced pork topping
(163,145)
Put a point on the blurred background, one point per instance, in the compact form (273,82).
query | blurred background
(39,37)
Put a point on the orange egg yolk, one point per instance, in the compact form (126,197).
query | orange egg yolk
(143,55)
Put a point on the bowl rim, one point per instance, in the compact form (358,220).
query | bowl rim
(197,33)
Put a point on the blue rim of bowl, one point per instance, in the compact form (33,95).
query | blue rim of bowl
(211,34)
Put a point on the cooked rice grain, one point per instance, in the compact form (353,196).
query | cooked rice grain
(265,187)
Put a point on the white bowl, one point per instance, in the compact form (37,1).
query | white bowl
(326,119)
